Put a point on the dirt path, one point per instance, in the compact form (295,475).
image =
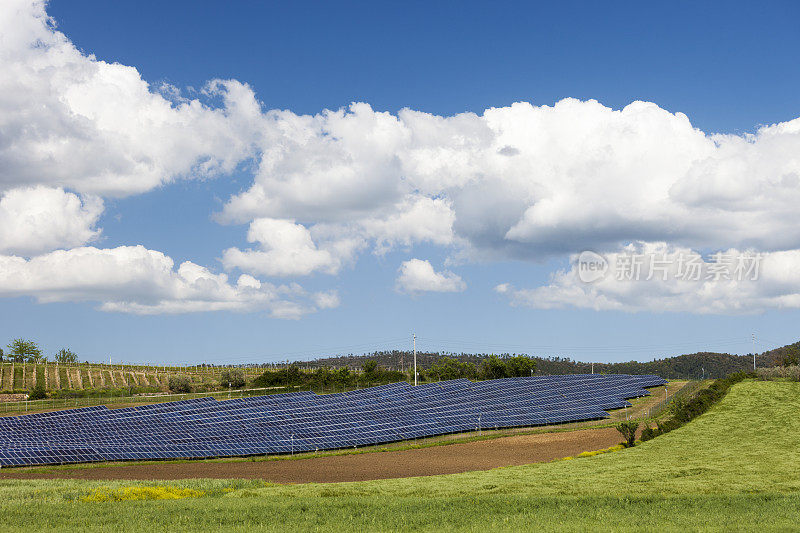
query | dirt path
(449,459)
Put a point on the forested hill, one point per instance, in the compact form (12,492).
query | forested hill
(687,366)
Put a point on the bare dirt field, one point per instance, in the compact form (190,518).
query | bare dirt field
(449,459)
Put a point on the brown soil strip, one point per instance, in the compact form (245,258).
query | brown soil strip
(449,459)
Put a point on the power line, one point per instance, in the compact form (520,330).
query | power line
(594,349)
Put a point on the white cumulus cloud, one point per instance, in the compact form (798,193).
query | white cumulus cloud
(657,277)
(70,120)
(38,219)
(528,181)
(416,276)
(524,181)
(286,249)
(133,279)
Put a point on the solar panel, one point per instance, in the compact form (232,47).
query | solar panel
(306,421)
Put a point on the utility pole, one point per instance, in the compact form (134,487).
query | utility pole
(592,368)
(414,341)
(754,351)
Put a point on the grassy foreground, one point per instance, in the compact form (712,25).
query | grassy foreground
(736,467)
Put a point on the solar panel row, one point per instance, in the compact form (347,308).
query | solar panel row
(305,421)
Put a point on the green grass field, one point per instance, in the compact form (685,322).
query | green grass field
(735,468)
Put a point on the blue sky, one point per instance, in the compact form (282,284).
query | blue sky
(730,68)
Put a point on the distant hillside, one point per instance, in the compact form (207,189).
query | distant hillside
(687,366)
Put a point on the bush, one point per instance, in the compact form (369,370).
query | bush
(493,368)
(676,406)
(323,377)
(449,368)
(647,433)
(38,392)
(520,366)
(70,393)
(370,367)
(628,429)
(180,384)
(280,378)
(790,372)
(233,377)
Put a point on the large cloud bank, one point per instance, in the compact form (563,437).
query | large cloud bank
(522,182)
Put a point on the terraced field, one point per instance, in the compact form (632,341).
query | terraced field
(20,377)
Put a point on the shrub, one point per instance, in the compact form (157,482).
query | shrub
(449,368)
(628,429)
(280,378)
(520,366)
(71,393)
(647,433)
(293,376)
(677,405)
(493,368)
(790,372)
(233,377)
(180,384)
(38,392)
(370,367)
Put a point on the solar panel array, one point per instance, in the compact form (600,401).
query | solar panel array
(306,421)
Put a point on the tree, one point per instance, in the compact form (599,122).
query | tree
(493,368)
(180,384)
(520,365)
(233,377)
(343,375)
(280,378)
(791,356)
(323,376)
(292,375)
(449,368)
(22,351)
(1,355)
(370,368)
(628,429)
(65,355)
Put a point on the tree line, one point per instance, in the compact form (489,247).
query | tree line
(492,367)
(27,351)
(324,377)
(372,373)
(688,366)
(444,365)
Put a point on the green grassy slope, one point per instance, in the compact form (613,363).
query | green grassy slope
(735,468)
